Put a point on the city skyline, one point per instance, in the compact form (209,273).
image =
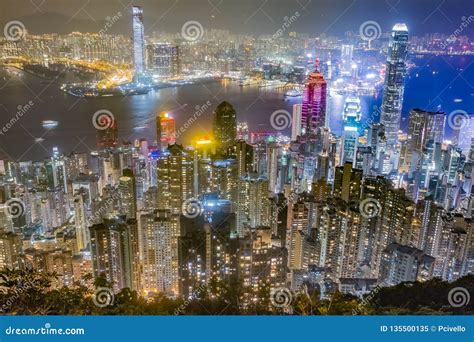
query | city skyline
(205,170)
(265,16)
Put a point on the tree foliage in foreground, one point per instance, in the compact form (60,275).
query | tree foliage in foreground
(26,292)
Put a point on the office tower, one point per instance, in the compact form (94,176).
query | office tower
(350,135)
(155,252)
(113,248)
(225,125)
(244,155)
(163,60)
(11,251)
(256,203)
(165,130)
(259,202)
(274,151)
(80,222)
(465,133)
(394,86)
(402,263)
(347,52)
(313,111)
(423,126)
(107,136)
(127,192)
(347,183)
(159,59)
(296,122)
(138,40)
(56,174)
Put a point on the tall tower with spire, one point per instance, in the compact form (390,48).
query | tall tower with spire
(138,40)
(394,86)
(313,111)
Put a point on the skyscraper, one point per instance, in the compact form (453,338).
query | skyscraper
(163,59)
(313,112)
(225,125)
(165,130)
(127,191)
(296,122)
(138,40)
(394,87)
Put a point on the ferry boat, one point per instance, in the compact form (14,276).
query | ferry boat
(49,124)
(352,109)
(294,93)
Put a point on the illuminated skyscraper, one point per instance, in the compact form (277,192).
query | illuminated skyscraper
(165,130)
(313,112)
(347,52)
(163,59)
(352,115)
(138,40)
(394,87)
(225,125)
(127,191)
(296,122)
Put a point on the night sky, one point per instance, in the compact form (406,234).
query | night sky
(241,16)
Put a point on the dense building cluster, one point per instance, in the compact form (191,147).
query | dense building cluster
(371,207)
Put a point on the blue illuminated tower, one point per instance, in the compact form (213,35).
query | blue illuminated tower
(138,40)
(394,87)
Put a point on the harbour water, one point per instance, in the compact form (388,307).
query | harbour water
(435,81)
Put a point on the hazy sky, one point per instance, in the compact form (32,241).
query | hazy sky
(241,16)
